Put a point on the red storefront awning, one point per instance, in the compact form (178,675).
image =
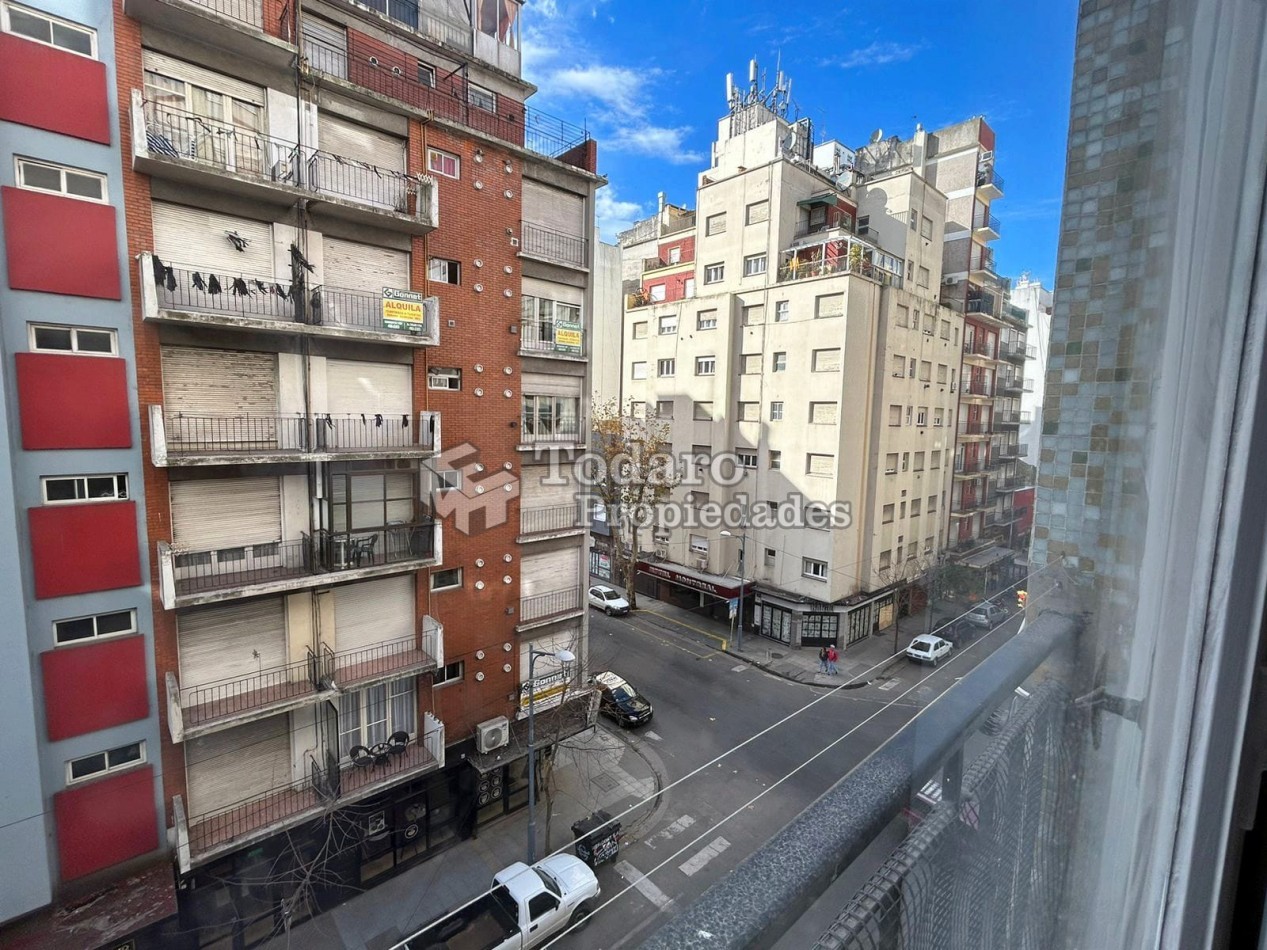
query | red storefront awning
(718,585)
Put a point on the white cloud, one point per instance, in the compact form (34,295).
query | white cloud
(616,87)
(654,141)
(879,53)
(613,215)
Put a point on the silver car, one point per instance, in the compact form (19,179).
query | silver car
(608,600)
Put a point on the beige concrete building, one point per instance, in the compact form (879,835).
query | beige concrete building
(792,333)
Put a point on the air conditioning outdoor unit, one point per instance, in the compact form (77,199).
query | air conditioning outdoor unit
(702,562)
(662,550)
(492,734)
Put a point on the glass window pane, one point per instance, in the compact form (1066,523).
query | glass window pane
(94,341)
(72,39)
(52,338)
(23,24)
(88,765)
(114,623)
(85,186)
(404,706)
(41,176)
(349,723)
(68,631)
(60,489)
(376,714)
(101,486)
(124,755)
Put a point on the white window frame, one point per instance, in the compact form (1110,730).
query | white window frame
(714,273)
(389,725)
(74,339)
(444,158)
(782,311)
(435,575)
(426,70)
(639,330)
(84,499)
(72,779)
(715,224)
(706,366)
(21,163)
(448,267)
(444,378)
(7,27)
(813,568)
(666,367)
(675,254)
(688,287)
(442,676)
(778,362)
(638,369)
(666,325)
(698,544)
(96,634)
(481,98)
(703,322)
(776,460)
(657,293)
(746,460)
(776,410)
(754,265)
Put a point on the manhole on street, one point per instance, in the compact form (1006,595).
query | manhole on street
(776,656)
(604,782)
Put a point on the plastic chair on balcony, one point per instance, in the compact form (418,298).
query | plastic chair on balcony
(363,550)
(397,742)
(361,756)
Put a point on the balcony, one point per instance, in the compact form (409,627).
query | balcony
(974,429)
(552,338)
(1018,352)
(553,246)
(180,439)
(984,305)
(1016,315)
(195,150)
(188,577)
(389,660)
(1011,420)
(1013,483)
(979,388)
(551,521)
(237,26)
(563,433)
(1013,450)
(798,268)
(188,294)
(550,607)
(199,838)
(980,351)
(969,468)
(989,184)
(986,228)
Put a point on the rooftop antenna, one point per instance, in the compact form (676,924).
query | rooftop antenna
(752,77)
(730,89)
(876,136)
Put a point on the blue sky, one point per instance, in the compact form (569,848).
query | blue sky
(647,78)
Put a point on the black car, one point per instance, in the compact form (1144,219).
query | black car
(956,631)
(621,701)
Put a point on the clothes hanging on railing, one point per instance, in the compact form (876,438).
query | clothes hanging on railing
(198,282)
(239,288)
(378,420)
(164,276)
(213,284)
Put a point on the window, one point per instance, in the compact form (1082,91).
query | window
(829,305)
(61,180)
(932,503)
(814,569)
(704,412)
(706,320)
(934,461)
(924,277)
(899,367)
(73,340)
(444,377)
(550,417)
(451,673)
(919,461)
(779,362)
(666,367)
(818,464)
(638,409)
(427,76)
(714,273)
(921,415)
(930,322)
(699,544)
(757,212)
(938,417)
(897,553)
(895,415)
(444,271)
(715,224)
(675,254)
(49,30)
(913,219)
(928,546)
(442,163)
(782,311)
(688,287)
(864,223)
(910,270)
(773,508)
(926,228)
(640,330)
(906,461)
(902,316)
(754,315)
(657,292)
(886,559)
(776,411)
(481,98)
(447,479)
(754,265)
(95,627)
(910,370)
(908,414)
(368,716)
(945,329)
(102,763)
(824,413)
(638,370)
(776,460)
(902,511)
(750,364)
(747,460)
(915,502)
(925,371)
(664,408)
(446,580)
(941,373)
(749,412)
(770,554)
(890,463)
(886,514)
(826,361)
(668,325)
(705,365)
(75,488)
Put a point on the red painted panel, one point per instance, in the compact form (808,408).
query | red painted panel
(102,823)
(986,137)
(60,245)
(94,686)
(54,413)
(48,88)
(77,549)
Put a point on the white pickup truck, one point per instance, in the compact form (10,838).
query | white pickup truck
(526,906)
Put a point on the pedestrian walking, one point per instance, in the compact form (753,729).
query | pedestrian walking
(832,657)
(822,659)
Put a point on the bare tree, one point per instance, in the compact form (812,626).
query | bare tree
(637,475)
(907,579)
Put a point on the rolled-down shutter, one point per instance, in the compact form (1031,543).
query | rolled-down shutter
(363,267)
(566,638)
(238,764)
(553,208)
(198,240)
(360,142)
(538,384)
(219,382)
(356,387)
(231,641)
(226,513)
(373,612)
(552,571)
(535,494)
(341,175)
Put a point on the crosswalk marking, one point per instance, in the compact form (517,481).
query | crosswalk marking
(710,851)
(643,885)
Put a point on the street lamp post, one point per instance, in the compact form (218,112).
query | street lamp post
(743,565)
(564,657)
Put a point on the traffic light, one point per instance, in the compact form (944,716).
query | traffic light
(1021,597)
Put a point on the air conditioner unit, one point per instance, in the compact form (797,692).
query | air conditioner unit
(702,562)
(492,734)
(662,550)
(949,281)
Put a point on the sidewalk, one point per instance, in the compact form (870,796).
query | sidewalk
(592,770)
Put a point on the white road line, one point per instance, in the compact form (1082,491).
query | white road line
(655,737)
(889,685)
(710,851)
(644,886)
(675,828)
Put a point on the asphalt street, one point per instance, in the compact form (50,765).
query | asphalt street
(707,703)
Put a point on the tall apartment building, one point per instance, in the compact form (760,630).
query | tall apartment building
(359,271)
(960,161)
(792,320)
(1036,300)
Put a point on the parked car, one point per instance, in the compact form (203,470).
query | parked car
(927,648)
(608,600)
(621,701)
(525,907)
(986,616)
(956,631)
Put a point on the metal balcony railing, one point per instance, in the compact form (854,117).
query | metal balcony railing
(970,466)
(550,604)
(375,547)
(226,698)
(795,269)
(549,518)
(248,12)
(561,430)
(200,571)
(1018,351)
(988,176)
(171,133)
(979,387)
(979,348)
(975,428)
(984,222)
(544,336)
(554,245)
(401,657)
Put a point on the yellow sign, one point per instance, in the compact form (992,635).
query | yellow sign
(548,693)
(567,337)
(403,310)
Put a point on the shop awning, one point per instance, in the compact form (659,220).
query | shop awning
(719,585)
(826,198)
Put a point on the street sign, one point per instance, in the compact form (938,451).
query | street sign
(734,607)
